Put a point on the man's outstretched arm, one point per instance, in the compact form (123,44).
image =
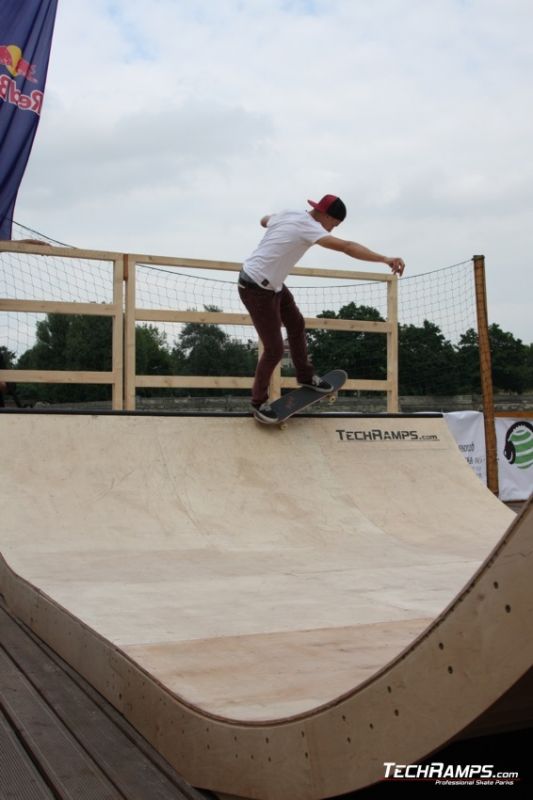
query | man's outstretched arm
(359,251)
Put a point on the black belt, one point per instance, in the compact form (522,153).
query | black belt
(245,282)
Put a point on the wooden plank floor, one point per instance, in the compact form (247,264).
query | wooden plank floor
(60,740)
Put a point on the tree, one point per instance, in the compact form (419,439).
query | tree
(427,360)
(239,359)
(7,361)
(509,357)
(202,347)
(152,354)
(529,367)
(205,349)
(509,360)
(49,350)
(7,358)
(84,343)
(362,355)
(70,342)
(468,370)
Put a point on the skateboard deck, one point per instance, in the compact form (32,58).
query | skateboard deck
(299,399)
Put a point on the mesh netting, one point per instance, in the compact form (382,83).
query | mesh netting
(445,297)
(25,276)
(436,311)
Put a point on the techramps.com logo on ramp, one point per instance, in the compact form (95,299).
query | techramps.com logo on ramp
(451,774)
(519,445)
(381,435)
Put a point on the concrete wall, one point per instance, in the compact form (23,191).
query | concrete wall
(369,404)
(374,403)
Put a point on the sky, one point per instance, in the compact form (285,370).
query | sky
(170,127)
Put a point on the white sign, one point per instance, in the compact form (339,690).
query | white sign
(468,430)
(514,441)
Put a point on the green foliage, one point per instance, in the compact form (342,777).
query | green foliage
(7,358)
(73,342)
(84,343)
(468,369)
(362,355)
(152,356)
(205,349)
(7,361)
(201,348)
(529,367)
(427,361)
(511,361)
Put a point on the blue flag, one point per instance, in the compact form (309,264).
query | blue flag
(26,28)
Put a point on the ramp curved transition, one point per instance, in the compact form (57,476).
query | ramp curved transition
(279,612)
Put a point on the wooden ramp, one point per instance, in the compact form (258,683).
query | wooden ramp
(279,612)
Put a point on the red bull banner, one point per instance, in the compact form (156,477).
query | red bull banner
(26,28)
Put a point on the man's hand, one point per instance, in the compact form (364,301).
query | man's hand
(396,264)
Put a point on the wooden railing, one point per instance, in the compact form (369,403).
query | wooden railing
(126,314)
(114,310)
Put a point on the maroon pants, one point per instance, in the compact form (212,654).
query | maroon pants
(269,311)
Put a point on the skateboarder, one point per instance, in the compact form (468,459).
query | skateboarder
(289,234)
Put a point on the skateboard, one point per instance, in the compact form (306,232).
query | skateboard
(295,401)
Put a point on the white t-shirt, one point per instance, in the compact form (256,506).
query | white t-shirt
(288,235)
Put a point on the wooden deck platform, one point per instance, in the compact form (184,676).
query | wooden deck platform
(60,739)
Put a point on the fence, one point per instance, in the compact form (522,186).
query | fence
(125,313)
(114,310)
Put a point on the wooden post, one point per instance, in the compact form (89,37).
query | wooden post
(485,371)
(118,335)
(129,334)
(392,346)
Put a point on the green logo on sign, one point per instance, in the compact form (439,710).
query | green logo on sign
(519,445)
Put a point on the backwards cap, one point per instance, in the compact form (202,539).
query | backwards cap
(332,205)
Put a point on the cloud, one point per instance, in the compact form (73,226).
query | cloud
(150,150)
(419,115)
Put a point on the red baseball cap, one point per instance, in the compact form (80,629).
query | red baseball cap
(332,205)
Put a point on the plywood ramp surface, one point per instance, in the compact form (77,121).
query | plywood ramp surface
(240,592)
